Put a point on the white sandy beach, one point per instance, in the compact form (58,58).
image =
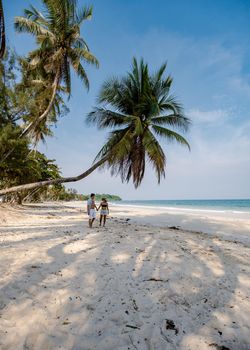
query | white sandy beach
(135,284)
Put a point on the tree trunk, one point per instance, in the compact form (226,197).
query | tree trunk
(32,125)
(2,32)
(19,198)
(39,184)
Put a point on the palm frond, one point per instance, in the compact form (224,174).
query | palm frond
(66,75)
(109,91)
(155,154)
(26,25)
(84,14)
(81,44)
(82,75)
(170,135)
(104,118)
(169,103)
(87,56)
(160,72)
(175,120)
(116,146)
(36,16)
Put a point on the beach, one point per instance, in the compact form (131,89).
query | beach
(153,278)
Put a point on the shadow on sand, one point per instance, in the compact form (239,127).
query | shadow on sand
(117,288)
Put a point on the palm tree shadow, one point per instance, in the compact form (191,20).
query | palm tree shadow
(149,291)
(118,288)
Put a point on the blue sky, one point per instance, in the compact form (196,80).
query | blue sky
(207,47)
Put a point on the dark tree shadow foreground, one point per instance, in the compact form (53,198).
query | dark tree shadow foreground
(65,286)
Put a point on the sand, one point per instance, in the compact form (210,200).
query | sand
(135,284)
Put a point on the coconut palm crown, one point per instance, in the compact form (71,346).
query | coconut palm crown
(139,109)
(60,45)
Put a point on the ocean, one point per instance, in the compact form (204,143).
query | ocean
(224,205)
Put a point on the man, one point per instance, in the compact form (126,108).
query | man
(91,207)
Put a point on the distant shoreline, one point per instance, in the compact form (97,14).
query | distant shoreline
(240,206)
(181,208)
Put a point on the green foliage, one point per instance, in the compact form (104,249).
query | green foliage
(23,164)
(11,102)
(38,88)
(58,193)
(109,197)
(23,101)
(13,169)
(60,46)
(46,71)
(68,194)
(71,194)
(138,108)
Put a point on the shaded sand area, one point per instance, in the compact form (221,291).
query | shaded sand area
(128,286)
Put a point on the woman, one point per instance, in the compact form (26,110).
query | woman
(104,211)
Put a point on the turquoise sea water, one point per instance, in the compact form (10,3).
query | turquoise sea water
(237,205)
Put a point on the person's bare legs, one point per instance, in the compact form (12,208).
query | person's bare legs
(91,222)
(101,216)
(104,220)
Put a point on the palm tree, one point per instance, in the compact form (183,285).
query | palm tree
(38,90)
(2,31)
(138,108)
(60,46)
(32,96)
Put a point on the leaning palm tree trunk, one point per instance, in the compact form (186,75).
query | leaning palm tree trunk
(2,32)
(40,184)
(44,115)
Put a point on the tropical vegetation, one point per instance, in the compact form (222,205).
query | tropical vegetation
(72,194)
(24,164)
(109,197)
(60,47)
(138,108)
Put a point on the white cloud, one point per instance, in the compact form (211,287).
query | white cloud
(213,116)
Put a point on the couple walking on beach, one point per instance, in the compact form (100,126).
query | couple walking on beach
(91,209)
